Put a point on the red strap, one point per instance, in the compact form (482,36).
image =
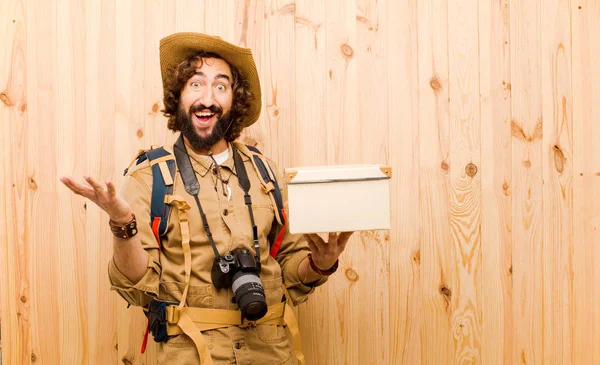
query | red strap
(277,243)
(155,225)
(145,341)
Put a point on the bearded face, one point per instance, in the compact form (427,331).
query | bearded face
(222,122)
(204,110)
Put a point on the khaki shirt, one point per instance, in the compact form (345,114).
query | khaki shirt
(229,222)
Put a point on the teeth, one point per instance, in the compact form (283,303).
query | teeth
(205,114)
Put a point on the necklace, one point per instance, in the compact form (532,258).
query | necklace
(224,182)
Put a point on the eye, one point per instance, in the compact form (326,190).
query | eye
(195,84)
(221,87)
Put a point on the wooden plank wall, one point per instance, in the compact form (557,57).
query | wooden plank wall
(488,112)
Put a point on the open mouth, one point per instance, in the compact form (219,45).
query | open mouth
(205,117)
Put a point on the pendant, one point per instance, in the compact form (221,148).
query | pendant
(228,193)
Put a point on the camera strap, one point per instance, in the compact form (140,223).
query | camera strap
(192,186)
(244,183)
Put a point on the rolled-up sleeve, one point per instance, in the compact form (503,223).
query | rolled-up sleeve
(137,192)
(294,249)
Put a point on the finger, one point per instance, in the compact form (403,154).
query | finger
(110,188)
(311,242)
(343,239)
(75,187)
(332,238)
(313,248)
(98,188)
(317,240)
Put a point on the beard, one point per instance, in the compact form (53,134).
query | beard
(218,132)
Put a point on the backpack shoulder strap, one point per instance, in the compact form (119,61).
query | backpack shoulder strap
(269,179)
(162,163)
(270,185)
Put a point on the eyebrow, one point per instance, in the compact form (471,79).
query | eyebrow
(219,76)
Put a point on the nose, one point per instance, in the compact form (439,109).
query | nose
(207,97)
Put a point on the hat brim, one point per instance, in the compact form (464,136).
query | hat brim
(177,47)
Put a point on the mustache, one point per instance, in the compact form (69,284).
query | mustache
(200,107)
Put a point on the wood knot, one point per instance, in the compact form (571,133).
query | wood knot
(559,159)
(22,108)
(23,299)
(140,133)
(510,270)
(435,83)
(5,99)
(347,51)
(446,292)
(505,187)
(518,132)
(33,357)
(417,257)
(445,166)
(32,184)
(471,169)
(527,164)
(331,74)
(508,86)
(126,361)
(273,111)
(155,108)
(351,274)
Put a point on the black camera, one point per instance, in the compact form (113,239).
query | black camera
(240,271)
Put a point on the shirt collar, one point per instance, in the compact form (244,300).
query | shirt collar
(203,163)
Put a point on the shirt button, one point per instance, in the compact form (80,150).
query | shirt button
(237,345)
(225,212)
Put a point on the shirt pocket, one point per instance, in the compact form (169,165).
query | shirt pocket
(198,295)
(263,216)
(270,344)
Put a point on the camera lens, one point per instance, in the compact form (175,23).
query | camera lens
(249,295)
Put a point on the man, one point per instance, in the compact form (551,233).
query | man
(204,274)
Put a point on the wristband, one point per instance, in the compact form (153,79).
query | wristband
(124,231)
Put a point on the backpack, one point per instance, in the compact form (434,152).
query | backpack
(163,167)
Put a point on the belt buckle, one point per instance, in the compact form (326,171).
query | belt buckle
(246,323)
(172,313)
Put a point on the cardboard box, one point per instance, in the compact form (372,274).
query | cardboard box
(338,198)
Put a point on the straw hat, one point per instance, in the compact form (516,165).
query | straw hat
(176,47)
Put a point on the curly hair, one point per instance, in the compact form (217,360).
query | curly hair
(178,76)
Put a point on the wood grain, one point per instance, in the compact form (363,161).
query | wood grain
(403,120)
(15,197)
(496,177)
(436,253)
(465,179)
(527,165)
(585,55)
(557,157)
